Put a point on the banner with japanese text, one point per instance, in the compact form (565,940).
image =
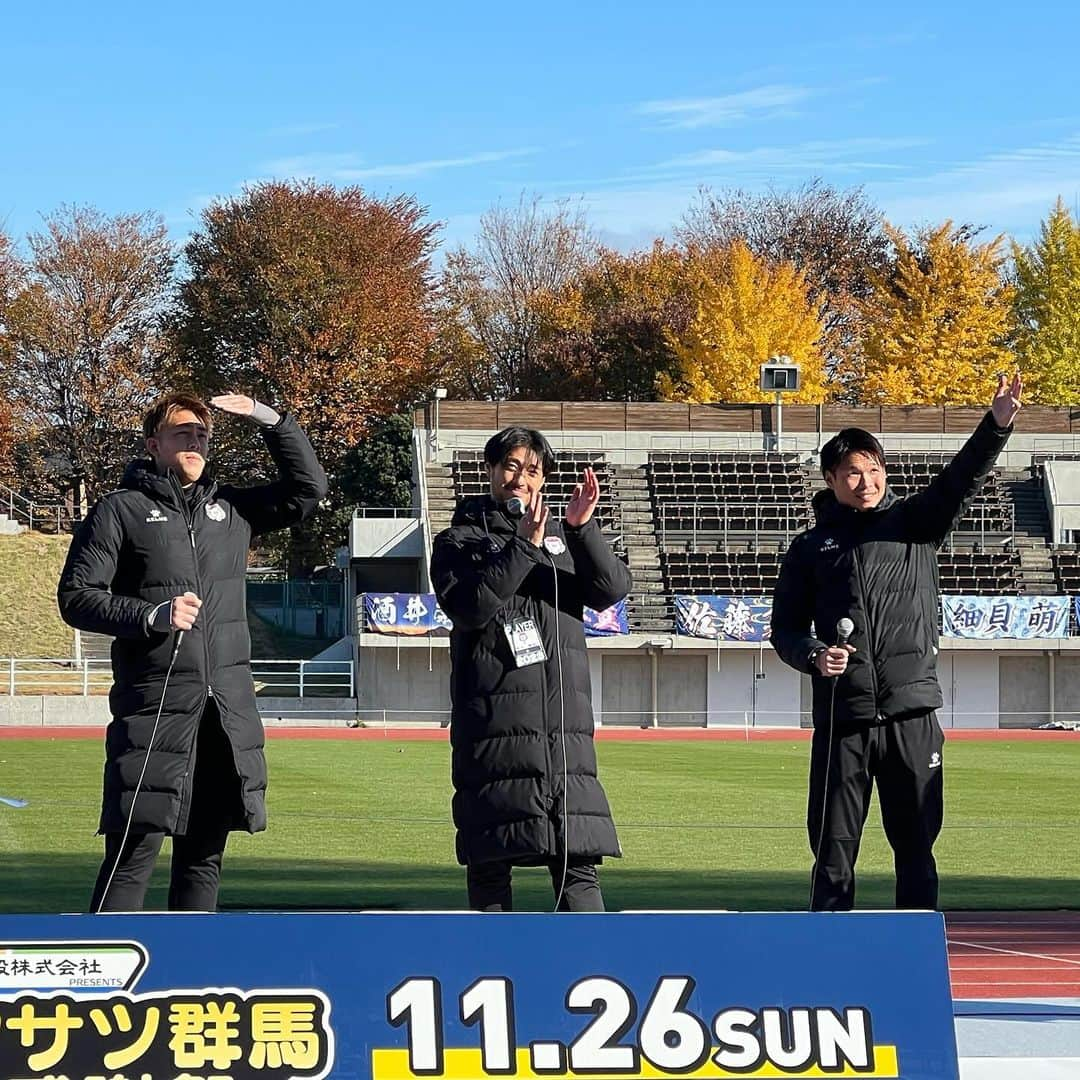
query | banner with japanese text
(724,618)
(1020,617)
(417,614)
(414,614)
(466,996)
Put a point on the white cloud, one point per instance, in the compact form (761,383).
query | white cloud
(350,167)
(806,156)
(728,109)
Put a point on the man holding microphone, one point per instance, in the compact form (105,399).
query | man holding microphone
(515,581)
(160,566)
(856,607)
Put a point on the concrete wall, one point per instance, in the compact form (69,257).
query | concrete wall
(1024,688)
(969,687)
(410,682)
(626,697)
(407,683)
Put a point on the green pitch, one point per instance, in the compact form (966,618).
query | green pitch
(365,824)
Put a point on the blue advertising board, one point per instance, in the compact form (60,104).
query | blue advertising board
(467,996)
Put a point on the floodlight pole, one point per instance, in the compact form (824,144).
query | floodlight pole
(779,419)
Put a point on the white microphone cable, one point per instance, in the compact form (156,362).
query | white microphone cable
(562,742)
(844,629)
(142,776)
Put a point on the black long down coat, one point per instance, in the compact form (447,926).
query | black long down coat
(508,723)
(146,543)
(878,568)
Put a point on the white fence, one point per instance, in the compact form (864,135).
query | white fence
(277,678)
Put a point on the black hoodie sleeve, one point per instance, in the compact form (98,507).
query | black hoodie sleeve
(937,509)
(793,610)
(605,579)
(473,584)
(84,594)
(300,486)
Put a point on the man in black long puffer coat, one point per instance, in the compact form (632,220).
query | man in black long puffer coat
(159,565)
(871,557)
(514,581)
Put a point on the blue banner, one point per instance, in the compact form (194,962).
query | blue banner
(612,620)
(467,996)
(404,613)
(724,618)
(989,617)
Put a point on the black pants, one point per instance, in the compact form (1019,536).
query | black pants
(489,885)
(905,758)
(196,856)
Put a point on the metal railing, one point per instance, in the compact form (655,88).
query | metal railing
(35,515)
(274,678)
(386,512)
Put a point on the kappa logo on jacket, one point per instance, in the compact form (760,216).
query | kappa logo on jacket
(156,516)
(215,511)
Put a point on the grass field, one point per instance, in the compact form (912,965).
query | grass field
(361,824)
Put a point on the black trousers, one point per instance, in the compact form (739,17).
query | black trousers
(196,856)
(489,885)
(905,759)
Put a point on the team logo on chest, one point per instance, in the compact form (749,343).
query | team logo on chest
(215,511)
(155,517)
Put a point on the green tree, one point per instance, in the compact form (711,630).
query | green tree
(378,470)
(1048,310)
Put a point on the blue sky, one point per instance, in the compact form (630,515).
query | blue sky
(952,111)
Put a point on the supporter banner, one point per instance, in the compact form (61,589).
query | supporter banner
(612,620)
(990,617)
(454,996)
(404,613)
(727,618)
(1076,609)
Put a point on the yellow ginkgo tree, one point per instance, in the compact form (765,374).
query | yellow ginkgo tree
(746,310)
(938,321)
(1048,310)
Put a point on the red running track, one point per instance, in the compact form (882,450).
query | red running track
(1014,954)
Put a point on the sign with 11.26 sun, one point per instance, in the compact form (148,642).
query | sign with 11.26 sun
(467,996)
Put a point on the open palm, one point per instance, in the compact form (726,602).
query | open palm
(1006,403)
(583,502)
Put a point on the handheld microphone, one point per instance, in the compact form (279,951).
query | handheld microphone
(515,506)
(844,629)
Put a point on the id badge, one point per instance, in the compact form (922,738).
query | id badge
(525,643)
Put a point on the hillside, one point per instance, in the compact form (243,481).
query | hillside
(30,625)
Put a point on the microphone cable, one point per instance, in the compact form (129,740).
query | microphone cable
(142,776)
(844,630)
(562,742)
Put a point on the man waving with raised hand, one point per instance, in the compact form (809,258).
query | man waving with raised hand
(856,607)
(159,565)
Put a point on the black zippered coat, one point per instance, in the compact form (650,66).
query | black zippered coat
(507,747)
(878,568)
(144,544)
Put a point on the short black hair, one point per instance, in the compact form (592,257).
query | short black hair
(510,438)
(851,440)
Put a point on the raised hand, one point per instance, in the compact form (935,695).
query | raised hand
(1006,403)
(583,502)
(534,521)
(237,404)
